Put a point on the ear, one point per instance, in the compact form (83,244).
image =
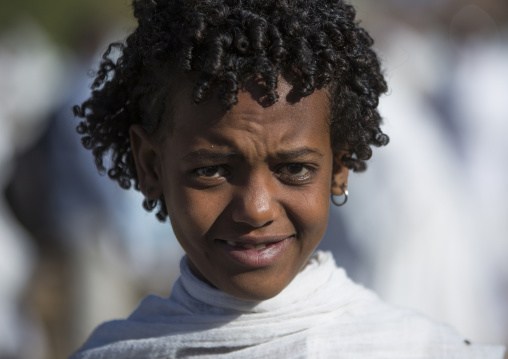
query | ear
(147,159)
(339,175)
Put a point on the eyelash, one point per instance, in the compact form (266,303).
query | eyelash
(285,177)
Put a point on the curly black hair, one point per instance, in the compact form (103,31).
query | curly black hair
(223,43)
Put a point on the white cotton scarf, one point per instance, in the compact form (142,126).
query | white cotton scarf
(320,314)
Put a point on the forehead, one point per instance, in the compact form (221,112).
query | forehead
(251,113)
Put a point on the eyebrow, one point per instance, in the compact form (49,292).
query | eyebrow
(292,155)
(204,154)
(298,153)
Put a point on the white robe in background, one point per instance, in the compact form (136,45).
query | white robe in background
(321,314)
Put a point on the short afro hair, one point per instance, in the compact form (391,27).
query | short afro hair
(223,43)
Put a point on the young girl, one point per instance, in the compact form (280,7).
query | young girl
(238,119)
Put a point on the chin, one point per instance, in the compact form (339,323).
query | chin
(253,289)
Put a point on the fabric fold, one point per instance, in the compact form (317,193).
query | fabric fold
(320,314)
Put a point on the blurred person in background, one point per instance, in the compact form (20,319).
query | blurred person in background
(78,228)
(29,78)
(435,201)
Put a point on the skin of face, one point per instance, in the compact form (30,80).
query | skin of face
(257,174)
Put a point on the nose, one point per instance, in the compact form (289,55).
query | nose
(256,202)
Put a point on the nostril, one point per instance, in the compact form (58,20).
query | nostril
(254,213)
(255,202)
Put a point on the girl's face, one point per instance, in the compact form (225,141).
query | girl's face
(248,191)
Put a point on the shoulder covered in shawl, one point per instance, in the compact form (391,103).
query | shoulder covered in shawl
(321,314)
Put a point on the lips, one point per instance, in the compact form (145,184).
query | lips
(256,247)
(256,252)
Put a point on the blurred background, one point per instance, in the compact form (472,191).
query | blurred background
(426,226)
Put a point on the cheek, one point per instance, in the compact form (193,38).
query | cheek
(310,211)
(193,212)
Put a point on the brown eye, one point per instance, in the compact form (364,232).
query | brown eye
(296,169)
(295,173)
(211,171)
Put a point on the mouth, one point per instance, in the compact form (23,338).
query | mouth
(256,252)
(256,244)
(256,247)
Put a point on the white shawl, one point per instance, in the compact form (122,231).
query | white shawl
(321,314)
